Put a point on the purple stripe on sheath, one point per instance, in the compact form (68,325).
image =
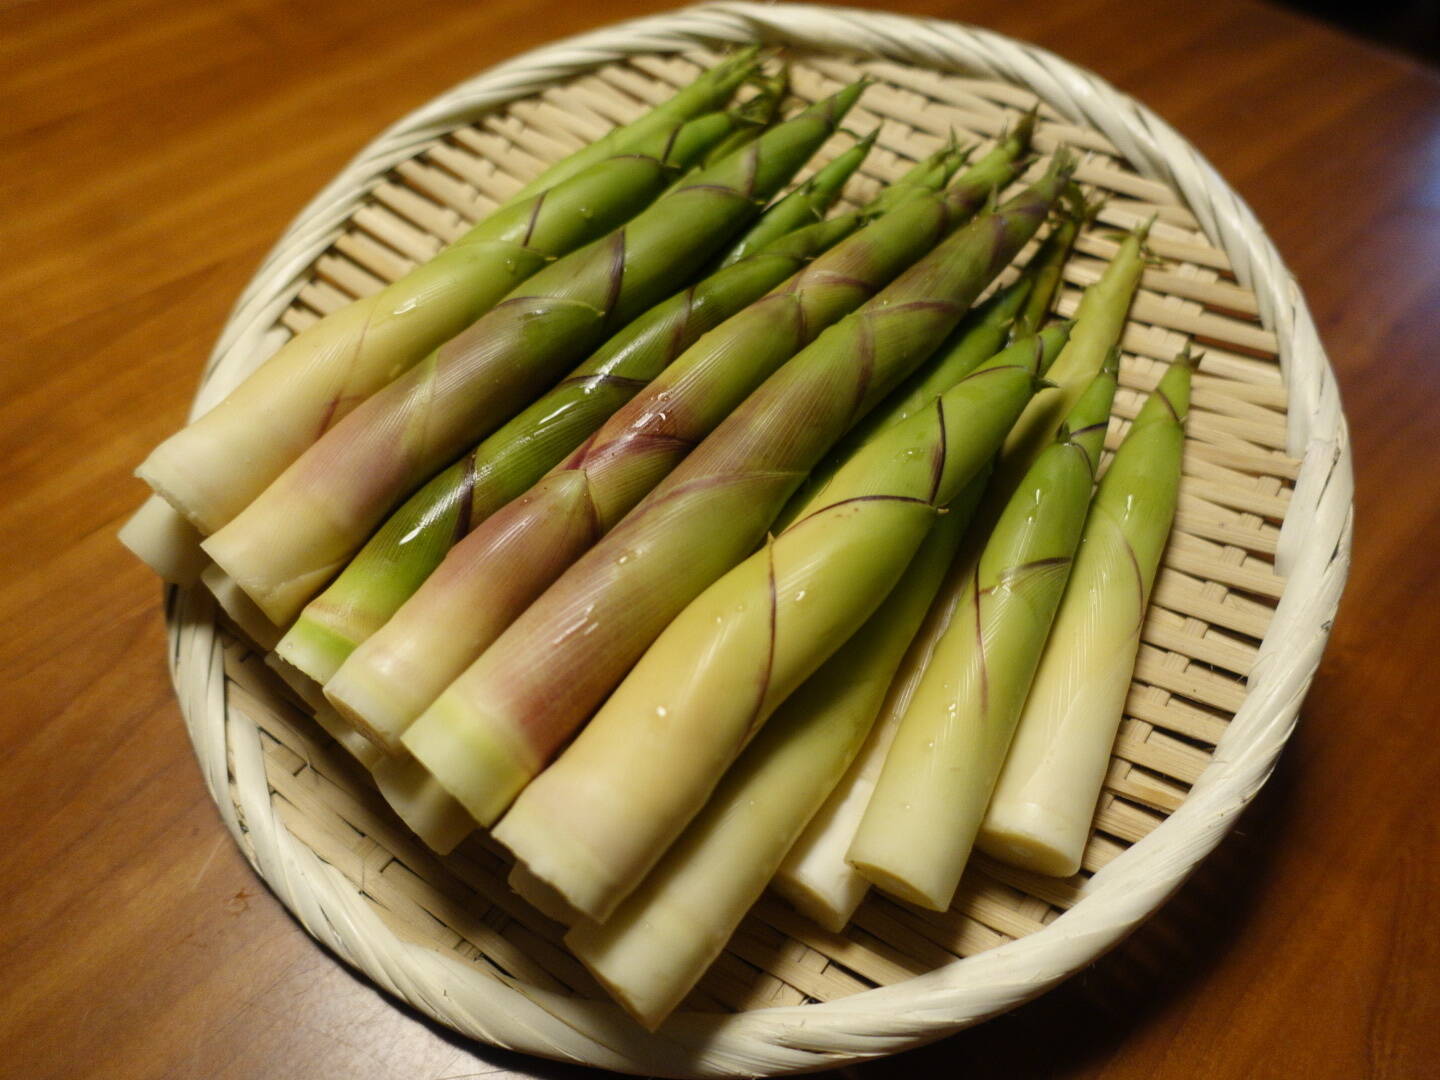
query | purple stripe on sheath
(534,216)
(467,493)
(942,451)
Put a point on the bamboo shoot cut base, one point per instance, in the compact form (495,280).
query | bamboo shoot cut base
(241,609)
(421,803)
(360,748)
(164,541)
(1031,837)
(541,896)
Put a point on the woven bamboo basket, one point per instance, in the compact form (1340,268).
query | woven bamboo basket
(1242,606)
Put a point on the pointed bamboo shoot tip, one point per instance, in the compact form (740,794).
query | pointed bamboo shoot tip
(1077,208)
(1025,129)
(1063,162)
(1142,231)
(746,54)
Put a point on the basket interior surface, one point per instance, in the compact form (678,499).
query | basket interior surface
(1213,600)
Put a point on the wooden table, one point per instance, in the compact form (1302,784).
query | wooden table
(153,151)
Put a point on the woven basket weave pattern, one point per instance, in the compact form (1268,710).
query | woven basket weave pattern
(1245,593)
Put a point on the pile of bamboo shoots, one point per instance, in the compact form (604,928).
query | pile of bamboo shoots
(697,539)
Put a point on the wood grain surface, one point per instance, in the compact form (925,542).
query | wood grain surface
(151,153)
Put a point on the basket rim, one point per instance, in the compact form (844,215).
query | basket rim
(1313,553)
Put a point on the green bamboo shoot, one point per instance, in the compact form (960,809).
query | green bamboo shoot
(1046,267)
(1039,817)
(1100,320)
(1099,323)
(815,876)
(920,824)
